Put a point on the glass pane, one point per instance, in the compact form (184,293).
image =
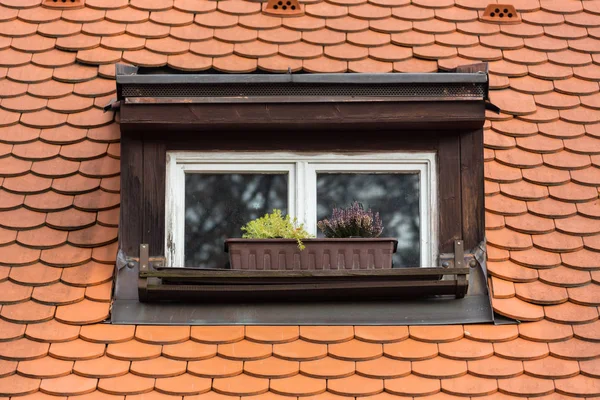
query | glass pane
(395,196)
(218,205)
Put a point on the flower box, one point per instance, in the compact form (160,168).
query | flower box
(319,254)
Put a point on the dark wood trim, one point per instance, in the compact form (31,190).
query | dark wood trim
(472,189)
(449,194)
(455,115)
(132,188)
(154,195)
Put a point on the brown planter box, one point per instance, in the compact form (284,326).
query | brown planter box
(319,254)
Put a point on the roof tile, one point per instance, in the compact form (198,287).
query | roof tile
(184,384)
(410,350)
(127,384)
(189,350)
(215,367)
(52,331)
(246,385)
(103,367)
(46,367)
(84,312)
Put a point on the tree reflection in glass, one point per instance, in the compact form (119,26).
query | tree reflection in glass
(394,196)
(218,205)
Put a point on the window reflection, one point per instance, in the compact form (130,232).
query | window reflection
(218,205)
(394,196)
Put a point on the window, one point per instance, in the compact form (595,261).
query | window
(204,154)
(211,195)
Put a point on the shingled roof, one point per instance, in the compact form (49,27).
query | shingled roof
(59,202)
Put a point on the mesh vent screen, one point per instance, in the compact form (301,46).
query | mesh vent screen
(462,90)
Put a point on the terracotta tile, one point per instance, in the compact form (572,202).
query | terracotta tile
(127,384)
(589,72)
(10,200)
(36,274)
(105,254)
(551,368)
(300,350)
(440,368)
(10,331)
(65,256)
(415,64)
(33,43)
(272,367)
(571,313)
(189,62)
(510,240)
(370,66)
(216,367)
(96,235)
(133,350)
(162,334)
(298,385)
(100,167)
(518,309)
(590,368)
(540,293)
(28,311)
(535,258)
(103,367)
(84,312)
(18,255)
(326,10)
(18,385)
(413,13)
(495,367)
(171,17)
(97,200)
(412,385)
(355,350)
(501,289)
(13,58)
(583,145)
(587,331)
(563,276)
(46,367)
(575,349)
(77,350)
(381,334)
(327,334)
(497,172)
(456,39)
(191,33)
(123,42)
(100,292)
(7,368)
(58,294)
(325,65)
(82,15)
(77,42)
(98,55)
(127,15)
(579,385)
(410,350)
(189,350)
(42,238)
(62,135)
(212,48)
(17,28)
(577,225)
(13,293)
(23,349)
(26,184)
(71,218)
(572,192)
(588,176)
(258,21)
(244,350)
(185,384)
(52,331)
(436,333)
(244,385)
(582,259)
(355,385)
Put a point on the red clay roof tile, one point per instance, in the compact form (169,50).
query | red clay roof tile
(247,385)
(216,367)
(46,367)
(189,350)
(103,367)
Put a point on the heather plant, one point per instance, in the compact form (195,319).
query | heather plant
(353,221)
(276,226)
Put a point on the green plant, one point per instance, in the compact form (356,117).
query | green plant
(275,225)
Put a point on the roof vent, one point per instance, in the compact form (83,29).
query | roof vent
(62,4)
(283,8)
(501,14)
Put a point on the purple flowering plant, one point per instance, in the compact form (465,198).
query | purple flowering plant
(353,221)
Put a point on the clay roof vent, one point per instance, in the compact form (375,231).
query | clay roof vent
(62,4)
(500,14)
(283,8)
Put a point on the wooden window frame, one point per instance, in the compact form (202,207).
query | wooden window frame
(301,169)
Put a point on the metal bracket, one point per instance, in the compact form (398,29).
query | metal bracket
(144,257)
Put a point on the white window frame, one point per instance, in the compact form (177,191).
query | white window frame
(302,189)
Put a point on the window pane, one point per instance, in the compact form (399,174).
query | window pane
(394,196)
(218,205)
